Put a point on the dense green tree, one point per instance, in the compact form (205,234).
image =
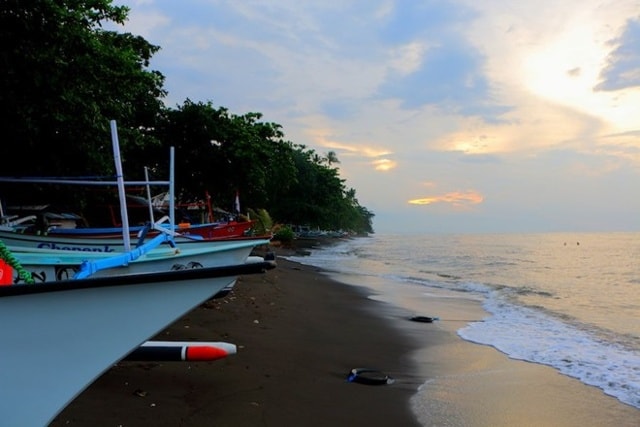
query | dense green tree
(318,197)
(221,153)
(64,78)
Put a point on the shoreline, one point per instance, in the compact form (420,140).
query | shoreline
(299,331)
(473,384)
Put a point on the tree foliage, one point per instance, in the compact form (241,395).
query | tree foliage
(64,78)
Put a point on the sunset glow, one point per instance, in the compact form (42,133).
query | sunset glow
(458,199)
(531,104)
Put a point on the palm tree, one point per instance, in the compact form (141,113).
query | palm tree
(331,158)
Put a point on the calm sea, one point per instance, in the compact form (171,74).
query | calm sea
(571,301)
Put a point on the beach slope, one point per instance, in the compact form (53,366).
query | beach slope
(298,334)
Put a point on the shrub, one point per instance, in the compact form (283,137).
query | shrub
(284,234)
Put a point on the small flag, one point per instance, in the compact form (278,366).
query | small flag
(236,204)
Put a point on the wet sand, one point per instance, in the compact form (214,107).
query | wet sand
(475,385)
(299,333)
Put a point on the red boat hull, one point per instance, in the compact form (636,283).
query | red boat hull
(217,231)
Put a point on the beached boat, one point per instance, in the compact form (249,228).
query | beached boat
(58,337)
(49,220)
(124,232)
(213,230)
(46,265)
(21,242)
(111,241)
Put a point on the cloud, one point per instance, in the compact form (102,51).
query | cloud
(623,63)
(461,86)
(548,51)
(456,199)
(407,59)
(466,93)
(384,164)
(330,139)
(426,60)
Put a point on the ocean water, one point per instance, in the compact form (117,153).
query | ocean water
(570,301)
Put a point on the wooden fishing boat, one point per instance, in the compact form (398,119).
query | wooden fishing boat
(60,336)
(113,241)
(212,230)
(62,333)
(44,265)
(103,244)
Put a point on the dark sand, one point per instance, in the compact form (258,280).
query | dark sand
(298,335)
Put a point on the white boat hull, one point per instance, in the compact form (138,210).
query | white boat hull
(46,266)
(58,337)
(104,245)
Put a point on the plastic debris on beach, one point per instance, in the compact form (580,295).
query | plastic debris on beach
(424,319)
(369,377)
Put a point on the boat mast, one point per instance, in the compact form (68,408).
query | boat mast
(146,177)
(172,180)
(121,193)
(120,183)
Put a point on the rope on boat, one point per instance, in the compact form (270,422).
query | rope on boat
(7,256)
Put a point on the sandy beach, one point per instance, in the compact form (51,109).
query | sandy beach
(299,333)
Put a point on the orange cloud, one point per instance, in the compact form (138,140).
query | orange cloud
(362,150)
(384,164)
(336,146)
(455,198)
(373,152)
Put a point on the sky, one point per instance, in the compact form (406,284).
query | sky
(455,116)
